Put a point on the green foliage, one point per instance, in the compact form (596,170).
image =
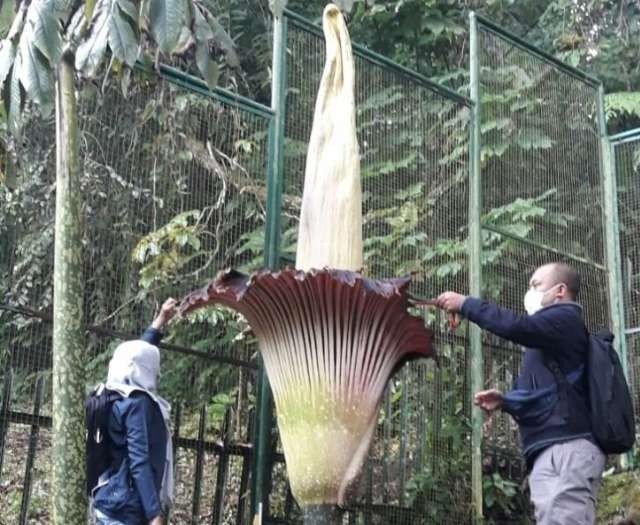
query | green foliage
(114,24)
(6,17)
(43,28)
(446,445)
(619,497)
(429,36)
(9,77)
(618,104)
(503,501)
(520,216)
(39,49)
(166,252)
(166,20)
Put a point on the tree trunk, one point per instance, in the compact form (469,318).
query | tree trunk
(68,480)
(322,515)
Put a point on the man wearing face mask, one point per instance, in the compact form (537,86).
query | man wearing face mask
(550,400)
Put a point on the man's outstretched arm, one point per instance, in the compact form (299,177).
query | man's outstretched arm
(544,329)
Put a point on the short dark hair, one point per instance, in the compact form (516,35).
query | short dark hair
(567,274)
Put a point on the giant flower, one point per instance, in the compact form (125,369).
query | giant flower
(329,337)
(330,341)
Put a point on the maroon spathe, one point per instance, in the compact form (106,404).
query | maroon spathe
(330,340)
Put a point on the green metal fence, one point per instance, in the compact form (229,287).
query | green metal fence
(413,137)
(175,189)
(543,196)
(626,159)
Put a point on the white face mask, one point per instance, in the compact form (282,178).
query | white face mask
(533,299)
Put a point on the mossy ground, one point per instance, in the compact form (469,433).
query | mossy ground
(619,499)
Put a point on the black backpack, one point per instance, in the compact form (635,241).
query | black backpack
(97,410)
(612,418)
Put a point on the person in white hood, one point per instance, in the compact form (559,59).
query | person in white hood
(137,486)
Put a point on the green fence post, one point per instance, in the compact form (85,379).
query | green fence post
(612,244)
(475,265)
(275,165)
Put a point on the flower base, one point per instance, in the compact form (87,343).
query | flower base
(322,515)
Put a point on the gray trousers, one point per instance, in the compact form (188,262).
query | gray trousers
(564,483)
(103,519)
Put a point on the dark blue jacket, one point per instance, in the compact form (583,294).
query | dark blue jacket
(152,336)
(557,332)
(138,454)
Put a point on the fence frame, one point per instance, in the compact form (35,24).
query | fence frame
(611,227)
(475,260)
(612,234)
(224,449)
(275,177)
(632,135)
(612,142)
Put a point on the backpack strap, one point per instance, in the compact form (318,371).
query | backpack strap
(553,365)
(561,379)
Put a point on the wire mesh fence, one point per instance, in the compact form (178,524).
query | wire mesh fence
(414,165)
(540,150)
(173,190)
(627,162)
(542,202)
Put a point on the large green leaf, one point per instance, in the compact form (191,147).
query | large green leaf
(623,103)
(128,10)
(13,99)
(533,138)
(203,33)
(9,46)
(90,53)
(42,29)
(123,35)
(36,76)
(31,51)
(202,29)
(222,39)
(167,18)
(208,67)
(206,28)
(7,56)
(89,6)
(114,23)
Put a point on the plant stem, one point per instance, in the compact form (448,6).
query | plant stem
(68,476)
(322,515)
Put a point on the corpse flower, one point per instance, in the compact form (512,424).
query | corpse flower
(330,341)
(329,337)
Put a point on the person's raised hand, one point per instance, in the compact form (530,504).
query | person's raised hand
(167,311)
(450,301)
(488,400)
(156,521)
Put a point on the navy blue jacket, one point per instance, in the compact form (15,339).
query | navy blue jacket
(558,332)
(138,454)
(152,336)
